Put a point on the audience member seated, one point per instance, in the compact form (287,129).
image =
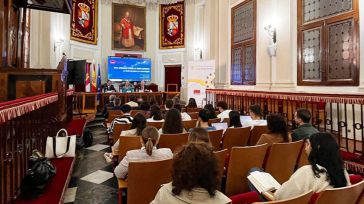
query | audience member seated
(326,169)
(145,107)
(137,126)
(127,88)
(132,102)
(117,104)
(108,87)
(173,123)
(234,121)
(199,135)
(108,106)
(149,152)
(168,105)
(278,131)
(125,118)
(211,108)
(305,129)
(203,120)
(155,114)
(223,109)
(191,103)
(153,101)
(256,114)
(195,176)
(184,115)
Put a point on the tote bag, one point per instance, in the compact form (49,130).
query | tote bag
(58,147)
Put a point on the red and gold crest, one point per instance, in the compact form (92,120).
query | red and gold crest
(172,26)
(84,21)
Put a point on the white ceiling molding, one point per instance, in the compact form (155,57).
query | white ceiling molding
(147,2)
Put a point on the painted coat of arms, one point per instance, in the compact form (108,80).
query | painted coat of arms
(172,26)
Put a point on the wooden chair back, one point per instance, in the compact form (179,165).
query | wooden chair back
(127,143)
(242,159)
(193,115)
(255,134)
(118,128)
(235,137)
(215,138)
(221,157)
(146,178)
(302,158)
(192,110)
(226,120)
(301,199)
(188,124)
(347,195)
(361,198)
(282,160)
(134,112)
(157,125)
(215,120)
(173,141)
(113,114)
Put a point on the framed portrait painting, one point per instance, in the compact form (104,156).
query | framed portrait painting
(129,27)
(172,25)
(84,21)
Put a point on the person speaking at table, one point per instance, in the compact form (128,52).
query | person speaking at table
(127,88)
(108,87)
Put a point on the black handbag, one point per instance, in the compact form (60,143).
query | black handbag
(40,172)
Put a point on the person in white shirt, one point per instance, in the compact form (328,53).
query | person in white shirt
(155,114)
(195,178)
(149,152)
(223,109)
(132,102)
(184,115)
(256,114)
(137,126)
(326,169)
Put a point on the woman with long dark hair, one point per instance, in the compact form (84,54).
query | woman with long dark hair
(211,108)
(191,103)
(234,121)
(278,131)
(326,169)
(155,114)
(173,123)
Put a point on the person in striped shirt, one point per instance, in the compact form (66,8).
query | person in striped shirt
(124,119)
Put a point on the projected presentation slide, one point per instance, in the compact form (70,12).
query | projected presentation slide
(129,69)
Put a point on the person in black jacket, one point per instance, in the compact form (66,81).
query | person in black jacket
(108,106)
(108,87)
(305,129)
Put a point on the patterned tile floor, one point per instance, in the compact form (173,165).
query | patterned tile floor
(92,180)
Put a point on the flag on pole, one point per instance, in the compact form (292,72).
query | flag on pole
(93,82)
(87,81)
(98,84)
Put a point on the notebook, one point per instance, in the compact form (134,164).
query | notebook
(244,118)
(263,181)
(220,126)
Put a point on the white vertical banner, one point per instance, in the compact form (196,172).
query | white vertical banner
(200,76)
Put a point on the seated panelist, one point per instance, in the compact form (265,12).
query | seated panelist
(127,88)
(142,87)
(108,87)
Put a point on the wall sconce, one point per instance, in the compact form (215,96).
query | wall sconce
(272,33)
(58,41)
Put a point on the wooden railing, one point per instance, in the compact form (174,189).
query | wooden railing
(24,126)
(340,114)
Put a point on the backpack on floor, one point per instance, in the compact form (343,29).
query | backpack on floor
(88,138)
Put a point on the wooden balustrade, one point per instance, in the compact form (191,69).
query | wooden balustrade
(340,114)
(24,126)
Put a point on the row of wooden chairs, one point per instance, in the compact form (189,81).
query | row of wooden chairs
(242,159)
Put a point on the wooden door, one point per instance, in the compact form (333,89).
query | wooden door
(172,78)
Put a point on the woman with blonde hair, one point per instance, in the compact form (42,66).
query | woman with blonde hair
(148,152)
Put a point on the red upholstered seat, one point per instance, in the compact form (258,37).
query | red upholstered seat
(245,198)
(76,126)
(56,188)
